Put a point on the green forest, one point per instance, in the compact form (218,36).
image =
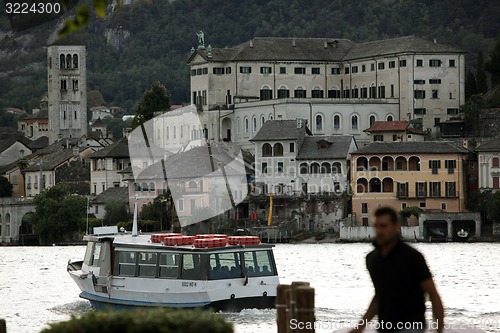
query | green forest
(159,34)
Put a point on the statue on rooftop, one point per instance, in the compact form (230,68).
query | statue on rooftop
(201,39)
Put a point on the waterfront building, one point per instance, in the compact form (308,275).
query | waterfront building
(429,175)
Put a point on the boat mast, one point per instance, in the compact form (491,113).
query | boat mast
(134,224)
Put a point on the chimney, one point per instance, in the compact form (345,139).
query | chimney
(76,151)
(325,45)
(335,43)
(293,42)
(435,41)
(465,143)
(251,42)
(299,122)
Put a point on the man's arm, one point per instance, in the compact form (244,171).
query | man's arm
(437,306)
(370,313)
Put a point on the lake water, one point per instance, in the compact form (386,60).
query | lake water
(35,288)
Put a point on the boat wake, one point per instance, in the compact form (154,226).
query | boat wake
(73,308)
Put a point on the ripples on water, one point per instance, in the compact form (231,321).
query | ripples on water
(35,288)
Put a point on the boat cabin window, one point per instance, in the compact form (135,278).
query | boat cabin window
(259,263)
(191,267)
(169,265)
(95,254)
(224,266)
(126,263)
(147,264)
(88,253)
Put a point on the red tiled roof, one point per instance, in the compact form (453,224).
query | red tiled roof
(384,126)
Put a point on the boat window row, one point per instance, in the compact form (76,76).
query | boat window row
(194,266)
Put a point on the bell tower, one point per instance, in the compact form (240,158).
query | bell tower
(67,91)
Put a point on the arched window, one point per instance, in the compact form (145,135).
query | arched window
(401,164)
(336,122)
(361,185)
(374,163)
(361,163)
(354,122)
(390,118)
(387,163)
(254,124)
(414,163)
(326,167)
(283,92)
(303,169)
(270,117)
(267,150)
(238,125)
(315,168)
(319,122)
(62,61)
(355,92)
(68,61)
(262,120)
(246,125)
(317,92)
(387,185)
(372,119)
(152,186)
(278,149)
(75,60)
(364,91)
(375,185)
(336,167)
(300,93)
(373,91)
(266,93)
(334,92)
(347,92)
(166,132)
(192,184)
(495,162)
(144,187)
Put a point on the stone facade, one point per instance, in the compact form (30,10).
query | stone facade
(421,78)
(67,92)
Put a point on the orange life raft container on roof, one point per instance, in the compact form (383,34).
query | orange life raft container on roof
(243,240)
(158,238)
(178,240)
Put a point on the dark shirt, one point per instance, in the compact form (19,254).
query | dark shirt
(396,278)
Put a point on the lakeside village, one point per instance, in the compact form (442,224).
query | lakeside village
(328,130)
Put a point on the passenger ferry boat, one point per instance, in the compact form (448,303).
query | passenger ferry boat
(221,272)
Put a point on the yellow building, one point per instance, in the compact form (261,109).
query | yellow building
(429,175)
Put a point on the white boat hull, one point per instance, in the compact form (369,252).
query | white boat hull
(226,295)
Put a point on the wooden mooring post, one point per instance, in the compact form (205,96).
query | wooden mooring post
(295,308)
(3,326)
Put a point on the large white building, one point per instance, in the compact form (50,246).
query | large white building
(339,86)
(67,92)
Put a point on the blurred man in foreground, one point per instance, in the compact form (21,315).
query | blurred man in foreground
(401,278)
